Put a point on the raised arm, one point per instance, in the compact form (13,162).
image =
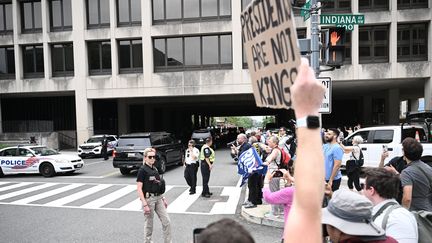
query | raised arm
(305,215)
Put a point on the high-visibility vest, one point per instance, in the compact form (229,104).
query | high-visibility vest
(212,155)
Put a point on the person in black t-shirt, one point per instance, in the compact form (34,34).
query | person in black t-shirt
(396,165)
(150,188)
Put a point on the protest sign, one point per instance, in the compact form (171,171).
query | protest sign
(270,42)
(248,163)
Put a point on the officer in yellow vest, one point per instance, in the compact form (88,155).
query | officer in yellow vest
(207,157)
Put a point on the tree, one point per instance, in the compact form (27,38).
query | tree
(242,121)
(267,119)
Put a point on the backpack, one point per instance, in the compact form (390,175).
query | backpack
(284,162)
(360,161)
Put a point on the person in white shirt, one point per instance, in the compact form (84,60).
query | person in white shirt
(381,188)
(191,166)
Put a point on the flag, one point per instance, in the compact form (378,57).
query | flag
(248,163)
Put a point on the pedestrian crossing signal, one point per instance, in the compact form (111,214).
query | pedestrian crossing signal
(336,46)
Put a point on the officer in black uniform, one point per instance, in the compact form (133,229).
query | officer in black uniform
(207,158)
(104,150)
(150,188)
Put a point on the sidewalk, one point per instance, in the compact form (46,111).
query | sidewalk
(258,216)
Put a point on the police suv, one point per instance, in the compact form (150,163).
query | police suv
(37,159)
(93,146)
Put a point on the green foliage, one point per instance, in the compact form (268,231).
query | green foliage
(241,121)
(3,146)
(267,119)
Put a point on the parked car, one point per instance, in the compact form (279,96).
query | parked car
(391,137)
(37,159)
(128,155)
(199,136)
(93,146)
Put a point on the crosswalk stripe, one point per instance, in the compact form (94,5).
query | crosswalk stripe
(110,197)
(47,194)
(3,182)
(230,206)
(77,195)
(24,191)
(184,201)
(14,186)
(135,205)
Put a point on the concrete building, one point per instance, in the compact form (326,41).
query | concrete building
(90,66)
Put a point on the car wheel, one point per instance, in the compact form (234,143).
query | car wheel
(47,170)
(125,171)
(1,172)
(162,165)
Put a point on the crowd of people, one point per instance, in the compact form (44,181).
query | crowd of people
(314,208)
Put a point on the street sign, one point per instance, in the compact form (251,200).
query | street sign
(305,11)
(343,20)
(325,107)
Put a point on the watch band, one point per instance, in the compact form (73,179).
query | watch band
(311,122)
(302,122)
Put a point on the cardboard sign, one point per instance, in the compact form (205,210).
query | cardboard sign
(270,42)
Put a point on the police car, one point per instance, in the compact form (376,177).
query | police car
(93,146)
(37,159)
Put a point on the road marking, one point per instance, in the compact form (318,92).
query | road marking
(111,174)
(24,191)
(230,206)
(136,204)
(78,195)
(14,186)
(46,194)
(97,162)
(184,201)
(110,197)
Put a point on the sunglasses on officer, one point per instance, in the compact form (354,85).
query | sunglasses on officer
(151,156)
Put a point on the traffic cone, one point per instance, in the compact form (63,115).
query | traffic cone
(417,136)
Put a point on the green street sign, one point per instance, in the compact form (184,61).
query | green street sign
(343,20)
(305,11)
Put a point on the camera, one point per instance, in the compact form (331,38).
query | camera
(278,173)
(231,144)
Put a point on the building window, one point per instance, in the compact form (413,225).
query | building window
(62,59)
(99,57)
(190,10)
(406,4)
(373,5)
(373,44)
(33,61)
(337,6)
(412,42)
(6,26)
(192,52)
(130,56)
(128,12)
(60,15)
(98,15)
(7,62)
(31,16)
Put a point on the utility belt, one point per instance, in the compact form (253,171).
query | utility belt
(151,194)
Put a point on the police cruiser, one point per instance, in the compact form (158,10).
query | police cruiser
(37,159)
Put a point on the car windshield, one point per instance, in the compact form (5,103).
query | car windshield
(95,140)
(205,134)
(44,151)
(143,141)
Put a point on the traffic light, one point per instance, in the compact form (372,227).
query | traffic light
(335,39)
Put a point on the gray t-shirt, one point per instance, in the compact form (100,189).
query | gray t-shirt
(421,192)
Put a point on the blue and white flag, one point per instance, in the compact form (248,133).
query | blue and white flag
(249,162)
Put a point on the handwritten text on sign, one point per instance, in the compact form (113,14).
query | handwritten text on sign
(270,42)
(326,104)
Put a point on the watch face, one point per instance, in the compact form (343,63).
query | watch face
(313,122)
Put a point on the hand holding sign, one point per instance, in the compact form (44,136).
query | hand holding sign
(307,93)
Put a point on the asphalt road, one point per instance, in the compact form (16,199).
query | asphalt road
(98,204)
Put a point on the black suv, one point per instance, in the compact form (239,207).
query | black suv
(199,136)
(128,154)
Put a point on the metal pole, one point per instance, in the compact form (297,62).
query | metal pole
(315,37)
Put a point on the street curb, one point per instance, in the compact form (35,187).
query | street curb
(256,216)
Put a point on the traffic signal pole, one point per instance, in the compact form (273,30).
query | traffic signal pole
(315,48)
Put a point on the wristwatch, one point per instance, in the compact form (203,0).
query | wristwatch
(311,122)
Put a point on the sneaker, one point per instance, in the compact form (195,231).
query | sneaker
(250,206)
(246,203)
(191,193)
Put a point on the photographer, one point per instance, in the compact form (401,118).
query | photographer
(284,196)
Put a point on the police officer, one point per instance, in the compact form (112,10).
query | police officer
(191,166)
(150,187)
(104,150)
(207,157)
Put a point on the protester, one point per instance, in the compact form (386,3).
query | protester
(333,158)
(341,136)
(381,188)
(348,218)
(207,158)
(104,149)
(352,165)
(304,221)
(415,179)
(283,138)
(150,188)
(395,166)
(191,164)
(226,231)
(284,196)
